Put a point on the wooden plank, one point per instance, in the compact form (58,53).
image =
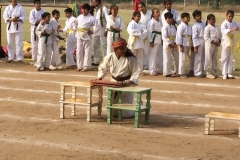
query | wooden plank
(130,89)
(131,107)
(223,115)
(79,101)
(76,84)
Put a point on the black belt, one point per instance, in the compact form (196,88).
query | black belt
(10,23)
(121,78)
(46,35)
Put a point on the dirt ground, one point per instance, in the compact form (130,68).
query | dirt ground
(30,127)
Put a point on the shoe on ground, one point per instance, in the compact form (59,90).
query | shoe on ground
(78,69)
(71,67)
(225,77)
(154,74)
(191,73)
(210,76)
(201,76)
(216,76)
(183,76)
(230,76)
(9,61)
(84,70)
(169,75)
(175,75)
(59,67)
(95,64)
(51,67)
(38,68)
(35,64)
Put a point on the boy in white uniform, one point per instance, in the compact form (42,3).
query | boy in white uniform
(228,29)
(198,44)
(169,45)
(34,18)
(44,31)
(14,16)
(70,29)
(55,58)
(85,24)
(99,38)
(184,40)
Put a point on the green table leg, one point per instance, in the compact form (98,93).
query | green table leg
(119,115)
(109,116)
(148,105)
(136,120)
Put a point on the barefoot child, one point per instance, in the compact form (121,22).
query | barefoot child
(155,39)
(137,34)
(212,37)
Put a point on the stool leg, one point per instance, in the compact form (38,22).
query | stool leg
(136,119)
(239,131)
(89,113)
(99,110)
(207,125)
(212,122)
(109,116)
(73,110)
(147,112)
(119,115)
(62,109)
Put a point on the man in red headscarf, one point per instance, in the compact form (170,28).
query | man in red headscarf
(136,5)
(123,67)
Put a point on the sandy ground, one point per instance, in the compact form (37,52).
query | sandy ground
(30,127)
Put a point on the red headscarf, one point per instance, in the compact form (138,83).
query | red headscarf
(119,42)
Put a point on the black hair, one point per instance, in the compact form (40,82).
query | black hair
(142,3)
(45,14)
(111,7)
(86,6)
(35,1)
(185,14)
(230,11)
(196,12)
(153,12)
(135,14)
(209,17)
(168,15)
(68,10)
(99,1)
(165,2)
(92,7)
(55,12)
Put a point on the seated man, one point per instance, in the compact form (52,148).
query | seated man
(124,69)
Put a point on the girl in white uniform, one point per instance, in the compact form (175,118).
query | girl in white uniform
(85,24)
(212,37)
(155,38)
(115,25)
(137,34)
(228,29)
(198,44)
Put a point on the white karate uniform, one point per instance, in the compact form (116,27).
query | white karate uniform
(228,45)
(55,57)
(44,44)
(98,38)
(70,28)
(137,34)
(169,37)
(182,31)
(156,52)
(145,18)
(84,40)
(15,31)
(176,17)
(116,23)
(33,18)
(122,67)
(211,33)
(198,40)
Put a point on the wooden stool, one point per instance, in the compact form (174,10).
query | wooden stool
(210,120)
(138,108)
(86,101)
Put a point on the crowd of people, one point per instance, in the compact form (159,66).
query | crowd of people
(160,42)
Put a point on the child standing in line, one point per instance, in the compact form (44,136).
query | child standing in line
(212,37)
(169,45)
(85,24)
(155,39)
(184,40)
(228,29)
(115,25)
(198,44)
(35,18)
(44,31)
(55,58)
(70,28)
(137,34)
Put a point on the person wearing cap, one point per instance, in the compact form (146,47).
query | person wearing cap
(123,67)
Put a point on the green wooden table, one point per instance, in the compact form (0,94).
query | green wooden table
(138,107)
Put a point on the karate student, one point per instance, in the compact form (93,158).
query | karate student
(115,25)
(98,38)
(44,31)
(69,29)
(212,37)
(85,23)
(137,34)
(55,57)
(228,29)
(155,39)
(34,18)
(198,44)
(14,16)
(184,40)
(146,16)
(169,45)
